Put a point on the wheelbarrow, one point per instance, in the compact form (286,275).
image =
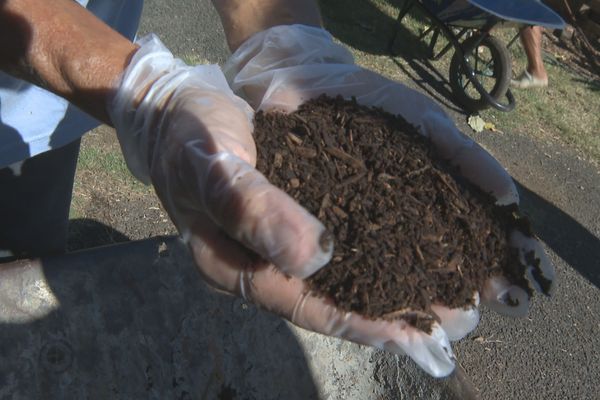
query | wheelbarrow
(480,69)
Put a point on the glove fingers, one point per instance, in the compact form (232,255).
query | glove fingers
(539,271)
(219,258)
(431,351)
(232,268)
(505,298)
(481,169)
(458,322)
(264,218)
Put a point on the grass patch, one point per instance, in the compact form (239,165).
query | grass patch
(101,168)
(565,109)
(108,162)
(569,109)
(194,59)
(77,206)
(100,156)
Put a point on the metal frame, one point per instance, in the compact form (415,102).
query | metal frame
(453,39)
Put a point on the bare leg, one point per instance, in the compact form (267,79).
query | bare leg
(531,39)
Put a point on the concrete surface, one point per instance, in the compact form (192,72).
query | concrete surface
(135,321)
(187,27)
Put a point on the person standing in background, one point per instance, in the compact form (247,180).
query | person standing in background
(535,74)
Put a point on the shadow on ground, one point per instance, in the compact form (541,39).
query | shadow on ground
(363,26)
(85,233)
(572,242)
(135,321)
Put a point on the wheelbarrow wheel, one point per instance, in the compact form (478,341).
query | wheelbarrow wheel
(490,62)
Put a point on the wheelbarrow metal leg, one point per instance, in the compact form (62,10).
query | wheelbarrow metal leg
(427,32)
(408,4)
(514,39)
(449,45)
(433,42)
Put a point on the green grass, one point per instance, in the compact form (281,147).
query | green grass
(108,161)
(565,109)
(194,59)
(101,167)
(569,109)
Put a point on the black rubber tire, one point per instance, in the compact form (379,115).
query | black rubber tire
(501,73)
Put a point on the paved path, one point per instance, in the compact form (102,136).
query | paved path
(555,353)
(187,27)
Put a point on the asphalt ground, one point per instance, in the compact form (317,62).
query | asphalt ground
(554,353)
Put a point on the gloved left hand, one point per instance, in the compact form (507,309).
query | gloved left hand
(182,129)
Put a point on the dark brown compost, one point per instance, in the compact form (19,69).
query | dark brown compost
(408,232)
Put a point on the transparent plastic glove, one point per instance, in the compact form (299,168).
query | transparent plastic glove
(283,67)
(182,129)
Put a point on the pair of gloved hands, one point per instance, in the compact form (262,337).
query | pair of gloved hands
(184,130)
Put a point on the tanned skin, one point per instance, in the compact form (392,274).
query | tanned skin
(65,49)
(243,18)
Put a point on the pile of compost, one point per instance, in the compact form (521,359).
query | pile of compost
(408,231)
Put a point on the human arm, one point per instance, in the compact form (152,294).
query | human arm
(64,48)
(243,18)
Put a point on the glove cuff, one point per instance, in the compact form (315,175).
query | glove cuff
(150,80)
(150,62)
(280,48)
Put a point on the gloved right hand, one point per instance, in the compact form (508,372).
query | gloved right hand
(284,66)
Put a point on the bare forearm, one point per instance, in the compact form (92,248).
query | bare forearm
(243,18)
(62,47)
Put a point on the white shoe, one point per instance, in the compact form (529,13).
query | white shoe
(526,81)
